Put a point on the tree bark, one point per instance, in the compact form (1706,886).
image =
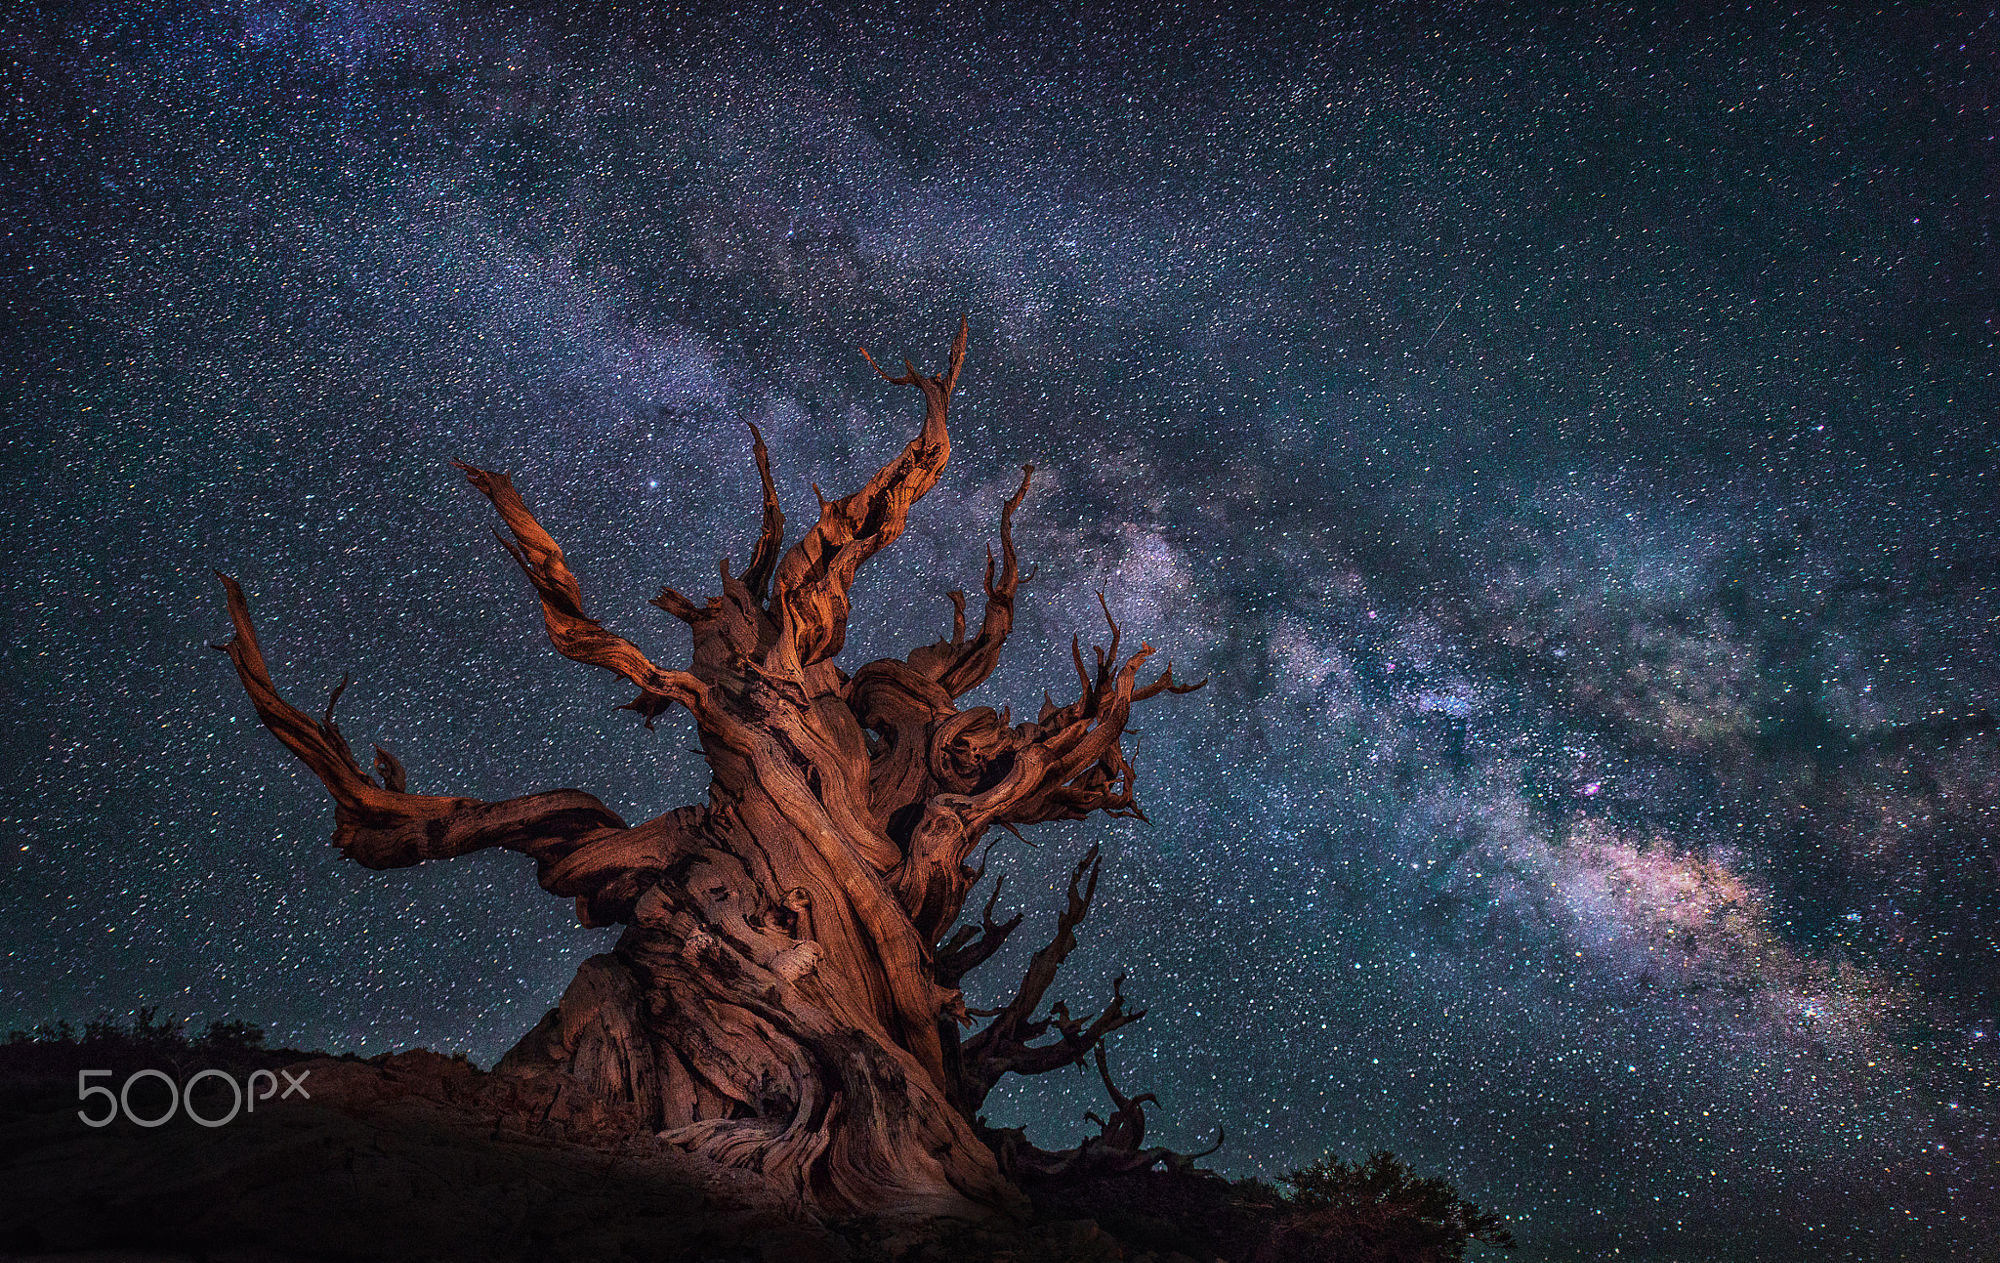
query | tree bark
(785,996)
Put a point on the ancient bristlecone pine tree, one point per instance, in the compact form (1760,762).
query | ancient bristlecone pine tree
(785,996)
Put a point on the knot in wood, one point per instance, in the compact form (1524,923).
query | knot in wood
(972,750)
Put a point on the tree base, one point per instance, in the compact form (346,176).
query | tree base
(620,1054)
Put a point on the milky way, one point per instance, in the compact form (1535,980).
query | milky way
(1568,444)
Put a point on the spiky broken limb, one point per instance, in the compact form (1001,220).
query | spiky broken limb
(785,994)
(1118,1147)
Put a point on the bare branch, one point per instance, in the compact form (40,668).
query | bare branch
(1066,765)
(971,946)
(1117,1146)
(390,769)
(317,742)
(1076,1036)
(1005,1045)
(575,634)
(976,662)
(1070,762)
(815,575)
(764,560)
(1167,684)
(1115,1150)
(1126,1130)
(382,826)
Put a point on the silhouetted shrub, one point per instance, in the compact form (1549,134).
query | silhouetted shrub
(146,1032)
(1381,1210)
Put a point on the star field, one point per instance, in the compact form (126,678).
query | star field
(1566,440)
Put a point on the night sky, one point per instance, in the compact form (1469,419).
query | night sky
(1568,441)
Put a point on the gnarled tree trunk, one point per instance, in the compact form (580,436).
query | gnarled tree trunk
(785,996)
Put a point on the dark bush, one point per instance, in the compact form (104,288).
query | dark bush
(146,1032)
(1381,1210)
